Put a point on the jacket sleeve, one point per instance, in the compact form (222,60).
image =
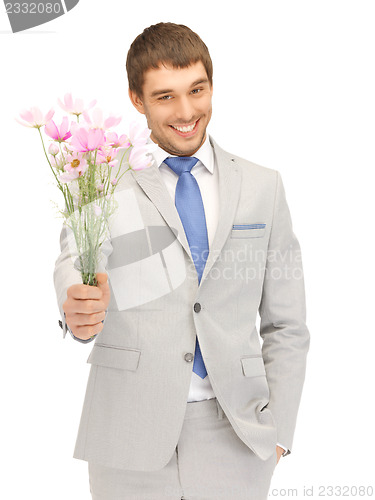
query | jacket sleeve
(65,274)
(283,327)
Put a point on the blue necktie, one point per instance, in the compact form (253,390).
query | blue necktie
(189,204)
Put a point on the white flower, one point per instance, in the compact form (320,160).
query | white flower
(53,149)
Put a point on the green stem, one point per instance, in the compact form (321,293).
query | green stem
(119,168)
(118,179)
(61,151)
(49,163)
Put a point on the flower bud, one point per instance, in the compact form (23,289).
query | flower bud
(53,149)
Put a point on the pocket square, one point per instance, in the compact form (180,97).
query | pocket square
(248,226)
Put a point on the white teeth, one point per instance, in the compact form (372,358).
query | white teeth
(185,129)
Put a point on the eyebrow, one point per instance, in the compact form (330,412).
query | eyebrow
(168,91)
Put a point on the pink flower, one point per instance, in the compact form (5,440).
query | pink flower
(68,177)
(59,134)
(34,118)
(139,158)
(74,126)
(117,142)
(106,155)
(87,140)
(75,167)
(74,107)
(99,122)
(138,135)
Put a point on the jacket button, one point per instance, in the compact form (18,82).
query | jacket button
(189,357)
(197,307)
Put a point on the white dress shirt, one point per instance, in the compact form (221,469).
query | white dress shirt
(206,174)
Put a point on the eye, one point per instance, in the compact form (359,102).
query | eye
(165,98)
(196,91)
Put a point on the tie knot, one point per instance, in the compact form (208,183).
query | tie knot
(181,164)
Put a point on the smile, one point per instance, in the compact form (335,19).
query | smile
(186,129)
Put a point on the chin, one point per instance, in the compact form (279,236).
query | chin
(190,147)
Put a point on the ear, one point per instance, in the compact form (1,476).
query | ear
(136,101)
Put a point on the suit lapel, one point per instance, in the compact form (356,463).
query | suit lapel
(150,180)
(229,195)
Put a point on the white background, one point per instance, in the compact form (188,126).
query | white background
(294,88)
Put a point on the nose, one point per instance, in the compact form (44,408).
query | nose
(184,110)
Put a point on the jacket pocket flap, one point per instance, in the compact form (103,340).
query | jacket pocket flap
(248,230)
(114,357)
(253,366)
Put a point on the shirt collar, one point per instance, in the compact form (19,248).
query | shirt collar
(204,154)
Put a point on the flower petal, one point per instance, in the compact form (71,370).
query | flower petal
(51,130)
(49,115)
(27,115)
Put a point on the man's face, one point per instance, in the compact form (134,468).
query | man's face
(176,99)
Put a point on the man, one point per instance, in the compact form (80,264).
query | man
(185,399)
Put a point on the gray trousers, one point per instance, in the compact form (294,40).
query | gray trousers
(210,462)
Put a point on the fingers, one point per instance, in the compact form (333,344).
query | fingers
(84,299)
(102,278)
(87,306)
(80,291)
(87,319)
(103,286)
(85,326)
(85,332)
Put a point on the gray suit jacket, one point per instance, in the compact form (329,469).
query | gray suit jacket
(141,362)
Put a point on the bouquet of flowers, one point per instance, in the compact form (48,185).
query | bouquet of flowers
(82,157)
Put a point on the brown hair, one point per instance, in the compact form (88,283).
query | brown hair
(165,43)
